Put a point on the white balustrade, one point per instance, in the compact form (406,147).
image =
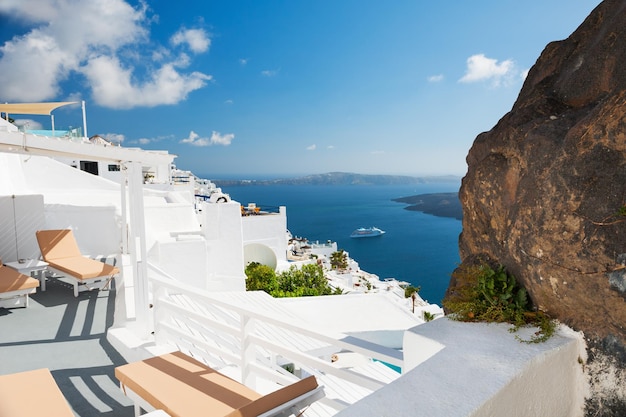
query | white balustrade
(248,331)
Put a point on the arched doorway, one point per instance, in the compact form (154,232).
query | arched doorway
(257,252)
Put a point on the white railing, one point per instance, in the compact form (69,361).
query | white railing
(227,330)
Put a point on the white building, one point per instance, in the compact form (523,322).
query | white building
(182,287)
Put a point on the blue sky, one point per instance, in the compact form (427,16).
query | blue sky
(262,88)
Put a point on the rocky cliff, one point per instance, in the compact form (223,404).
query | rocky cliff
(545,194)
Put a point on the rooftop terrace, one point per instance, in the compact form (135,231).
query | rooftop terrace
(68,336)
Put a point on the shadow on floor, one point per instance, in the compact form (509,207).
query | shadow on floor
(67,335)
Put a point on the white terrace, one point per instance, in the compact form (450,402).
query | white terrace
(168,299)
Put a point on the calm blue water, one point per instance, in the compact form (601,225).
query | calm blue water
(417,248)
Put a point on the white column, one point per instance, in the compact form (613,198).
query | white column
(124,203)
(84,120)
(137,247)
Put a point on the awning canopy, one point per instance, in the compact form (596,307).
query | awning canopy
(33,108)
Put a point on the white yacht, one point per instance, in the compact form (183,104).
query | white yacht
(362,232)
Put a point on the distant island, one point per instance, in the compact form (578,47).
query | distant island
(437,204)
(342,178)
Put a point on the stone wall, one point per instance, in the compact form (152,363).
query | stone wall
(545,194)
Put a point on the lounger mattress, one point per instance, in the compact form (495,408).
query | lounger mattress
(32,393)
(11,280)
(83,268)
(184,387)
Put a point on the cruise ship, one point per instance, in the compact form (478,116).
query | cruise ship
(180,245)
(367,232)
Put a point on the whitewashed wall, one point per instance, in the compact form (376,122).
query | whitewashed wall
(222,229)
(480,370)
(269,230)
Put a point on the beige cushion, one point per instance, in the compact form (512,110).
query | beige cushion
(276,398)
(60,250)
(184,387)
(11,280)
(32,393)
(56,244)
(83,268)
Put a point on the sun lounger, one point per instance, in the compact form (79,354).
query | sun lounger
(15,287)
(184,387)
(32,394)
(60,250)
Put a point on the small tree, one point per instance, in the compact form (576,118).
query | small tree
(305,281)
(339,260)
(296,282)
(428,316)
(410,290)
(260,277)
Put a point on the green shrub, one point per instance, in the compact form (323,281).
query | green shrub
(428,316)
(260,277)
(308,280)
(485,294)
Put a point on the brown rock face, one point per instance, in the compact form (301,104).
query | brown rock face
(545,192)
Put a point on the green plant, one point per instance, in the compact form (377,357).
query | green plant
(339,260)
(289,367)
(408,291)
(482,293)
(428,316)
(260,277)
(295,282)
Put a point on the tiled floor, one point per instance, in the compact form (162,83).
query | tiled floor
(68,336)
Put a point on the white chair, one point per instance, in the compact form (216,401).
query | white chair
(60,250)
(15,288)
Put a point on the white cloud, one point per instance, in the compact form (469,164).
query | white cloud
(23,81)
(330,147)
(219,139)
(243,61)
(269,73)
(197,39)
(481,68)
(112,84)
(524,74)
(215,139)
(29,124)
(311,148)
(114,137)
(435,78)
(145,141)
(377,152)
(29,10)
(109,48)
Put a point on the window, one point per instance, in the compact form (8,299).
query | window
(114,167)
(89,166)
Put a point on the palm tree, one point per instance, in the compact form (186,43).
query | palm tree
(339,260)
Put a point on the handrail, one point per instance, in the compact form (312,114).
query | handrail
(389,355)
(222,332)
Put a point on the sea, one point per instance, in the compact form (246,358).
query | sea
(418,248)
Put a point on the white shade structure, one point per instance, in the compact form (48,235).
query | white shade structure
(40,109)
